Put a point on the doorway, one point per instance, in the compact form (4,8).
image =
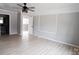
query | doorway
(27,25)
(4,24)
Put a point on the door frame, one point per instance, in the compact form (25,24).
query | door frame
(30,27)
(21,22)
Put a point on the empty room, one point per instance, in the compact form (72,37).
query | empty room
(39,28)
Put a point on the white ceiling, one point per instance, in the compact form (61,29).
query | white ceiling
(46,6)
(39,6)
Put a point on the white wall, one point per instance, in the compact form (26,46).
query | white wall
(68,28)
(13,20)
(19,21)
(61,27)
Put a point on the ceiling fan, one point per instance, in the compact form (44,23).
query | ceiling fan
(25,8)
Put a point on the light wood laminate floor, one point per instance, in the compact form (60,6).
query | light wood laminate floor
(32,45)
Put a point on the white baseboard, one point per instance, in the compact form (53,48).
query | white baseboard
(57,41)
(13,33)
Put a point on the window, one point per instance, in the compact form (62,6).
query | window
(25,21)
(1,20)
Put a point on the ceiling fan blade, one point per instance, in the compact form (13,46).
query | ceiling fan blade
(19,5)
(31,10)
(31,7)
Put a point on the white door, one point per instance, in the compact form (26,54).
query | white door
(30,26)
